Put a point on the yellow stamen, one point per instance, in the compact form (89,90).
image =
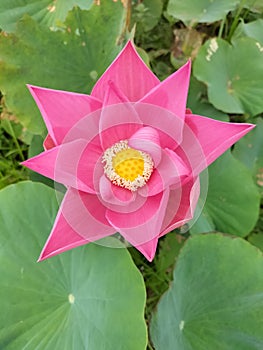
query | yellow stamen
(126,166)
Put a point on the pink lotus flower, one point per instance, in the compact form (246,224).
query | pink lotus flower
(130,155)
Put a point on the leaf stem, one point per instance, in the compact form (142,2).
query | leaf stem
(12,133)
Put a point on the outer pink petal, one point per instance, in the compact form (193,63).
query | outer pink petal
(80,220)
(113,95)
(143,225)
(129,73)
(147,139)
(61,110)
(118,122)
(181,206)
(114,194)
(172,171)
(148,249)
(172,93)
(212,137)
(61,163)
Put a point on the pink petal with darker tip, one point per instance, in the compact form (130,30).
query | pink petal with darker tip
(80,220)
(172,93)
(212,137)
(129,73)
(60,164)
(61,110)
(147,140)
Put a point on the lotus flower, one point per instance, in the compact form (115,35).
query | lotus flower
(129,154)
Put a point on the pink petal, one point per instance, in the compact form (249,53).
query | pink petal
(148,249)
(181,205)
(172,93)
(129,73)
(206,139)
(90,167)
(143,225)
(60,164)
(114,194)
(48,143)
(168,125)
(172,171)
(147,139)
(80,220)
(118,122)
(113,95)
(61,110)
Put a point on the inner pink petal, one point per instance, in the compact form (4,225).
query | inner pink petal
(171,171)
(90,167)
(113,194)
(168,125)
(147,139)
(118,122)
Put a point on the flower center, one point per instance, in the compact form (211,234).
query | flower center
(126,166)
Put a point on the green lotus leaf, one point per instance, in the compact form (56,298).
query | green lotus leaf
(46,12)
(146,14)
(192,11)
(71,59)
(199,105)
(249,150)
(216,299)
(91,297)
(233,74)
(232,203)
(252,30)
(254,5)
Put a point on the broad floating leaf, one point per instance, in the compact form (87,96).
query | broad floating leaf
(249,151)
(90,298)
(232,203)
(198,105)
(233,74)
(216,299)
(46,12)
(192,11)
(252,30)
(70,60)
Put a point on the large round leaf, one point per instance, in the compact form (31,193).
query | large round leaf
(192,11)
(198,104)
(233,74)
(252,30)
(91,298)
(249,150)
(216,299)
(232,203)
(70,59)
(48,12)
